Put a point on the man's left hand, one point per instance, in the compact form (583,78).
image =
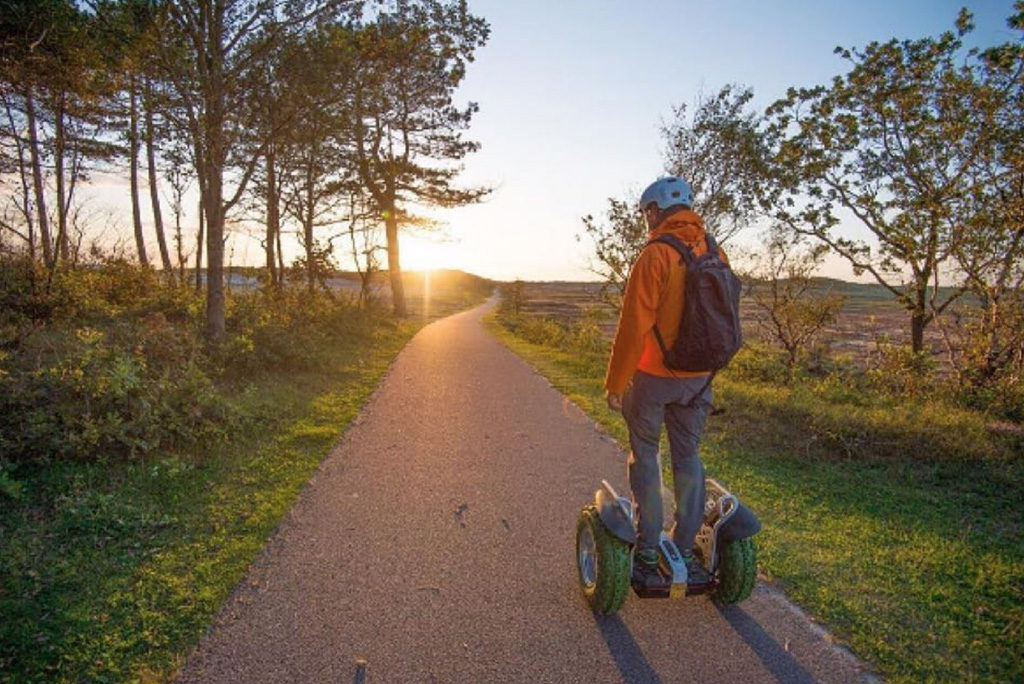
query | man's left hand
(615,402)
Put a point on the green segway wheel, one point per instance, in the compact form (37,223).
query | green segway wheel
(603,561)
(737,571)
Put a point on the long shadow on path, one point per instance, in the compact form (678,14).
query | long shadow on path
(629,658)
(775,658)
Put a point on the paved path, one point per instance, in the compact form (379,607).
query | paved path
(436,543)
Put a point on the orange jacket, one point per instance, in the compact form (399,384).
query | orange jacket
(654,294)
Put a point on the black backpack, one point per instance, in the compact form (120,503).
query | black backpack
(709,332)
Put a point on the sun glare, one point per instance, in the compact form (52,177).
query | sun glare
(424,254)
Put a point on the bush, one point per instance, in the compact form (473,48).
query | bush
(103,398)
(898,370)
(108,361)
(288,330)
(585,334)
(760,363)
(536,329)
(1002,396)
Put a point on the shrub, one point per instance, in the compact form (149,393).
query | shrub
(585,334)
(761,363)
(101,397)
(1002,396)
(288,330)
(899,370)
(536,329)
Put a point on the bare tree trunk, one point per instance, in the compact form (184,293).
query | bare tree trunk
(23,176)
(358,264)
(179,242)
(307,228)
(154,195)
(211,69)
(59,147)
(917,325)
(37,179)
(133,165)
(215,309)
(199,241)
(394,264)
(273,217)
(280,257)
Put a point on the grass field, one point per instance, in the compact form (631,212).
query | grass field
(110,571)
(900,525)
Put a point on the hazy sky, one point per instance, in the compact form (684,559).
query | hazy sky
(572,95)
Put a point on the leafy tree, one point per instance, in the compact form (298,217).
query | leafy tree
(720,150)
(987,342)
(618,241)
(212,50)
(318,187)
(176,164)
(513,297)
(892,143)
(52,81)
(790,309)
(407,134)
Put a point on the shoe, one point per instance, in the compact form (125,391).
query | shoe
(646,574)
(696,573)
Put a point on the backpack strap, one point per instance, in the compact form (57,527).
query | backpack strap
(712,244)
(661,341)
(675,243)
(687,258)
(700,393)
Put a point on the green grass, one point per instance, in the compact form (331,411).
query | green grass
(111,571)
(899,524)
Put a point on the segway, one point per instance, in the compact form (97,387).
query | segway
(606,537)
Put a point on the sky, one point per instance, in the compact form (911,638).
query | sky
(573,94)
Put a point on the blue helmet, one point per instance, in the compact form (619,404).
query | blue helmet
(667,192)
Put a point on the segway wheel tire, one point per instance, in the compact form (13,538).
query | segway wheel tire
(737,571)
(603,561)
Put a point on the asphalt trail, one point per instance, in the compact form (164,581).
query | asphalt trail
(436,544)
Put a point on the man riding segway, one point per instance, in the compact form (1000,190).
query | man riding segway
(668,344)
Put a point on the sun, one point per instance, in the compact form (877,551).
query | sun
(425,254)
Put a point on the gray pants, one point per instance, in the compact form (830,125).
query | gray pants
(648,402)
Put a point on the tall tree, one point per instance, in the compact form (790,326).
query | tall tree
(318,183)
(407,133)
(150,102)
(22,223)
(54,79)
(719,148)
(991,253)
(133,168)
(892,144)
(215,45)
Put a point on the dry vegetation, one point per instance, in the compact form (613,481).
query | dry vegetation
(868,315)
